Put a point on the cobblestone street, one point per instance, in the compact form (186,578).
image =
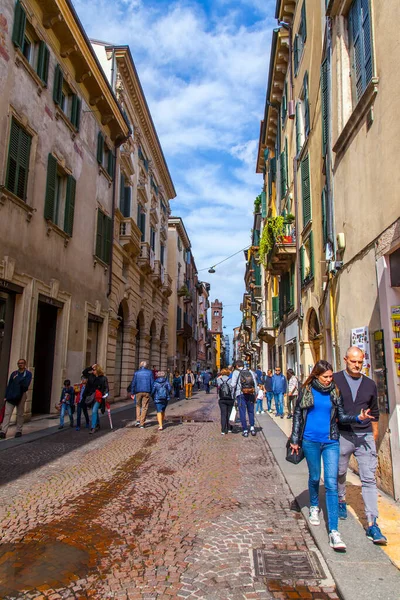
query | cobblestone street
(147,514)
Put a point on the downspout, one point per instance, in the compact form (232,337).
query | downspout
(110,270)
(298,266)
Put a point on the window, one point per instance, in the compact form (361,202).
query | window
(18,160)
(125,194)
(360,46)
(306,189)
(34,50)
(179,243)
(92,341)
(65,98)
(325,105)
(307,260)
(286,292)
(103,237)
(59,204)
(272,175)
(152,239)
(143,159)
(162,254)
(300,39)
(105,155)
(141,222)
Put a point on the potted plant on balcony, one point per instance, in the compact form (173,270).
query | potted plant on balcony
(273,231)
(183,291)
(257,204)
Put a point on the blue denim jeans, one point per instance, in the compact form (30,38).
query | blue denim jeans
(259,405)
(246,403)
(279,404)
(66,408)
(314,451)
(270,395)
(95,415)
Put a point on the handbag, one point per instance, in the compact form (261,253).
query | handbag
(89,400)
(232,416)
(292,457)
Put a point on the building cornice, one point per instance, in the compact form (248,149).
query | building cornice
(127,70)
(177,223)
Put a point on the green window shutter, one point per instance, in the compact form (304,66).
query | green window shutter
(304,22)
(257,274)
(286,165)
(312,272)
(58,85)
(302,264)
(273,168)
(360,35)
(100,236)
(324,221)
(325,105)
(275,311)
(18,33)
(283,174)
(50,198)
(110,163)
(263,205)
(18,160)
(70,205)
(298,132)
(107,240)
(76,111)
(306,105)
(291,294)
(305,189)
(284,103)
(296,53)
(100,147)
(43,62)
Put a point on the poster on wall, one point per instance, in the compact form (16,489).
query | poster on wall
(395,315)
(379,362)
(360,338)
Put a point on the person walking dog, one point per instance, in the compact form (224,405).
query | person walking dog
(318,410)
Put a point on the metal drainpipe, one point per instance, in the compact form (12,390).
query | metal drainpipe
(298,267)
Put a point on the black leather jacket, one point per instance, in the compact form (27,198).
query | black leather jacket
(300,419)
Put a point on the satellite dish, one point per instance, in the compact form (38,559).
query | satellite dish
(211,270)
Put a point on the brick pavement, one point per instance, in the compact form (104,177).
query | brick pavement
(142,514)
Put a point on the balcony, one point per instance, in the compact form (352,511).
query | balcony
(184,329)
(167,285)
(247,323)
(282,255)
(158,274)
(267,323)
(257,291)
(146,258)
(129,236)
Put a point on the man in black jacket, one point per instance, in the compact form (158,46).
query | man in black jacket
(15,397)
(359,439)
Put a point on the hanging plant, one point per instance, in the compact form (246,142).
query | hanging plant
(289,218)
(273,230)
(257,204)
(183,291)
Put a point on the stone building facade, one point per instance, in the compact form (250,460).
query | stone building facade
(56,197)
(140,283)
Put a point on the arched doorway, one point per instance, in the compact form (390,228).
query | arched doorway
(154,355)
(139,337)
(314,336)
(119,352)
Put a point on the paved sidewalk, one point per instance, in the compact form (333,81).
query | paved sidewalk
(364,572)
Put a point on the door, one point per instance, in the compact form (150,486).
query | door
(46,327)
(6,325)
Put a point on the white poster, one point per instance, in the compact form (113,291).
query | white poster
(360,338)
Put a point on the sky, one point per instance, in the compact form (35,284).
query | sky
(203,66)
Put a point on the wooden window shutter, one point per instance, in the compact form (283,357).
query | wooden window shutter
(292,287)
(305,189)
(100,234)
(302,264)
(50,198)
(298,131)
(306,105)
(100,147)
(273,168)
(69,205)
(275,311)
(367,41)
(58,85)
(263,205)
(18,33)
(110,165)
(107,239)
(311,238)
(76,111)
(286,165)
(43,62)
(304,22)
(18,160)
(324,220)
(325,105)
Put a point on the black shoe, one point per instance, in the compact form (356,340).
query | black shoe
(289,417)
(2,435)
(253,431)
(18,434)
(245,434)
(92,431)
(61,427)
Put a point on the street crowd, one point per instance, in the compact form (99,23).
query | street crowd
(334,416)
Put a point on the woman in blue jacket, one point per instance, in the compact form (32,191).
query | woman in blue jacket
(161,392)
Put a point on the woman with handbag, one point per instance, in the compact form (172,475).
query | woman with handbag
(100,386)
(315,432)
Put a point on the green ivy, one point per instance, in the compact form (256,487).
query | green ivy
(257,204)
(273,229)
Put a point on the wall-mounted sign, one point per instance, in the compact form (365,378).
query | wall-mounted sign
(395,317)
(360,338)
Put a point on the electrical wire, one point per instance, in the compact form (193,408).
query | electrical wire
(227,258)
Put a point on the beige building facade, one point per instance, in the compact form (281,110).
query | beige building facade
(140,282)
(54,261)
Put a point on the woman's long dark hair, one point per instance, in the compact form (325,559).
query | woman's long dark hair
(289,374)
(319,368)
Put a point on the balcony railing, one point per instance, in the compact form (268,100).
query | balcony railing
(129,236)
(167,285)
(158,274)
(282,254)
(146,258)
(267,322)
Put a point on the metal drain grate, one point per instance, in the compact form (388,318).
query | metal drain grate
(184,419)
(287,564)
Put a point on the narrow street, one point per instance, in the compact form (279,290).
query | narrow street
(147,514)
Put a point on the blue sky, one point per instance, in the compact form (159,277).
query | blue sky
(203,66)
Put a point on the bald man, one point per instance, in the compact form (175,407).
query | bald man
(359,439)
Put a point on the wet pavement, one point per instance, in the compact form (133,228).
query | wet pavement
(129,514)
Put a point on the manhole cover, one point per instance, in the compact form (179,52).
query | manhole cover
(286,564)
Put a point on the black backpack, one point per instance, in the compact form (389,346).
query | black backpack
(247,382)
(225,392)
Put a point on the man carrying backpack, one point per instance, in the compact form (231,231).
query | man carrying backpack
(225,399)
(244,389)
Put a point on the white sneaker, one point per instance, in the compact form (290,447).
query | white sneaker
(335,541)
(314,515)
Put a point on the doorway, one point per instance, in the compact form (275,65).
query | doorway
(46,327)
(7,302)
